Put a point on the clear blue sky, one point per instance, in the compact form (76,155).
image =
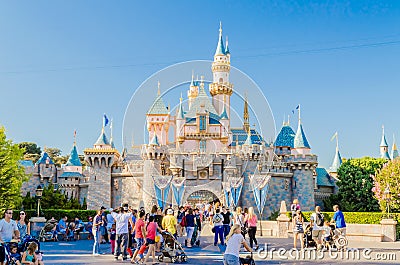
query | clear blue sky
(65,63)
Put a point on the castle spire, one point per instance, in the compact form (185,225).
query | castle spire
(111,134)
(158,89)
(220,47)
(300,140)
(384,145)
(246,124)
(337,160)
(249,141)
(395,152)
(181,113)
(227,48)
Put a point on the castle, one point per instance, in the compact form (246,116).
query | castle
(207,159)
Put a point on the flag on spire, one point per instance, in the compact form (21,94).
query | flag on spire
(105,120)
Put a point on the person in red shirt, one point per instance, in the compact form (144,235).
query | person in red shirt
(152,228)
(140,235)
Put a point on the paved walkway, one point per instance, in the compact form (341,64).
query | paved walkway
(79,252)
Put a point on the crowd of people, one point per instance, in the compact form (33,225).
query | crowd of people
(131,231)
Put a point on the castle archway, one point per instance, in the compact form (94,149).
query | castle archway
(200,197)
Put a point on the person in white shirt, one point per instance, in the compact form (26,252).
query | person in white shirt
(234,241)
(317,223)
(8,231)
(121,221)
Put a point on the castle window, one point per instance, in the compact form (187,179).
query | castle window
(203,146)
(221,80)
(202,123)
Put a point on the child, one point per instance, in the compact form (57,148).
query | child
(327,233)
(30,257)
(15,256)
(112,237)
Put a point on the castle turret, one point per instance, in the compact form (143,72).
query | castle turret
(246,123)
(221,85)
(101,158)
(158,119)
(72,176)
(383,147)
(303,165)
(395,152)
(193,91)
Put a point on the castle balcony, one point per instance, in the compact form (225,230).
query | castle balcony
(221,88)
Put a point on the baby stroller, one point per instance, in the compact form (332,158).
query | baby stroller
(5,252)
(248,260)
(307,238)
(172,249)
(25,241)
(48,232)
(337,240)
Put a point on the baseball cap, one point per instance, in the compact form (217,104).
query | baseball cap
(170,211)
(103,208)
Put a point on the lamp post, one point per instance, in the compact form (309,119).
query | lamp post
(387,195)
(39,193)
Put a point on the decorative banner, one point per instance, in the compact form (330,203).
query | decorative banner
(227,193)
(236,189)
(178,187)
(162,187)
(260,186)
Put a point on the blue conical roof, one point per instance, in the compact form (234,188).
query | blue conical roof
(337,162)
(220,47)
(300,140)
(154,141)
(158,107)
(102,140)
(73,159)
(383,141)
(44,158)
(285,137)
(181,113)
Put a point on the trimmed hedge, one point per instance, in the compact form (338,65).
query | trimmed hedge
(58,214)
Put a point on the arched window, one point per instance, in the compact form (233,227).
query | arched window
(221,80)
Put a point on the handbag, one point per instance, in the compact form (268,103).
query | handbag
(247,260)
(243,229)
(183,221)
(213,229)
(157,239)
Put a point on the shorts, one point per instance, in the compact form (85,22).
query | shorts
(139,244)
(103,230)
(317,234)
(150,241)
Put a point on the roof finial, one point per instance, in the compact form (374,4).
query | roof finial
(220,28)
(158,91)
(180,99)
(75,137)
(246,124)
(227,47)
(288,120)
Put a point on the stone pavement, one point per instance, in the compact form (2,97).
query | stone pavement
(79,252)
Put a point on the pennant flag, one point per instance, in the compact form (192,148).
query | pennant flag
(334,136)
(105,120)
(162,187)
(298,106)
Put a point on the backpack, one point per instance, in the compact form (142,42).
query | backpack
(320,219)
(217,218)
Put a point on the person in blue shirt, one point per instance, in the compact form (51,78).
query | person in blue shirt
(338,218)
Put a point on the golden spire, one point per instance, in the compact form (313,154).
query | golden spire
(158,91)
(246,125)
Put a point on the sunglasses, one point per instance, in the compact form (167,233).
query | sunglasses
(22,214)
(9,213)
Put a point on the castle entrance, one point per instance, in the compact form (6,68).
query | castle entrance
(200,197)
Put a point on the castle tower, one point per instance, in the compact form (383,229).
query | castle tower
(180,121)
(72,175)
(158,119)
(395,152)
(221,68)
(101,159)
(303,165)
(384,148)
(46,169)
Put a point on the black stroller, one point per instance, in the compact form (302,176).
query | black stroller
(248,260)
(307,238)
(172,249)
(195,241)
(49,231)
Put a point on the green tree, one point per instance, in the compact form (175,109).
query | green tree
(388,177)
(11,173)
(60,160)
(355,185)
(30,148)
(52,152)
